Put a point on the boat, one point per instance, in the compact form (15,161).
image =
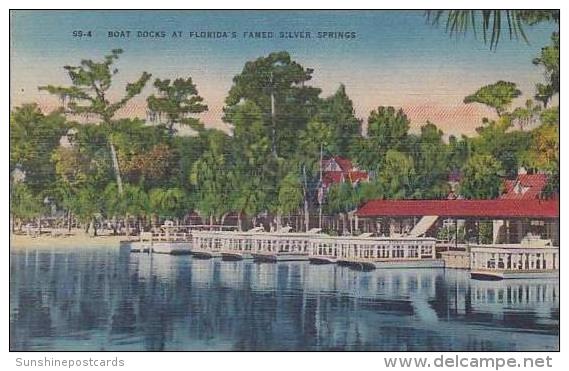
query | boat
(532,258)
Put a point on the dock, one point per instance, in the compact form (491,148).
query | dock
(531,258)
(359,251)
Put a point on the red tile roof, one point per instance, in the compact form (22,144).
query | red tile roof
(534,208)
(346,172)
(344,163)
(532,183)
(332,177)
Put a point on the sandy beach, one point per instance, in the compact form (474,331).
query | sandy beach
(76,240)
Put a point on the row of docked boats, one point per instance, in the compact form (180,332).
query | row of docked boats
(533,257)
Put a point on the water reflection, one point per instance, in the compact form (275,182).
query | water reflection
(102,299)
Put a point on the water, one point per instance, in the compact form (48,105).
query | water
(104,299)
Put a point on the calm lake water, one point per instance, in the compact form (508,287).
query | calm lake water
(105,299)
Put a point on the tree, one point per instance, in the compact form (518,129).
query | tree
(290,194)
(175,102)
(88,95)
(341,198)
(498,96)
(171,202)
(508,147)
(33,138)
(397,175)
(549,60)
(24,204)
(133,202)
(337,112)
(431,162)
(543,93)
(210,178)
(253,177)
(543,152)
(87,204)
(527,115)
(315,138)
(481,178)
(459,151)
(276,84)
(387,129)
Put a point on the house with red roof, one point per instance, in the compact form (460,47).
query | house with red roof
(524,187)
(337,169)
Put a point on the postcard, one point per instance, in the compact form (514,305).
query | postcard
(293,180)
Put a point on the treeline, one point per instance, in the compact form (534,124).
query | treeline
(95,166)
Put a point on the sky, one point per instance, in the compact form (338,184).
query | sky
(396,58)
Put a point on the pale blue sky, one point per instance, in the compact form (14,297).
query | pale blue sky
(397,58)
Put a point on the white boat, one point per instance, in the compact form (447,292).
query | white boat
(533,257)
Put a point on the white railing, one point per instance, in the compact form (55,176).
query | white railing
(314,244)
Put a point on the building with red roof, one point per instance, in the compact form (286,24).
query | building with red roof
(339,169)
(511,219)
(480,209)
(524,187)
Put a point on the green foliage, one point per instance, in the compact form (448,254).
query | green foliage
(498,96)
(341,198)
(431,162)
(271,163)
(175,102)
(508,147)
(397,176)
(87,203)
(527,115)
(387,130)
(33,138)
(290,194)
(481,178)
(485,232)
(91,81)
(317,138)
(491,22)
(134,201)
(211,178)
(253,177)
(549,60)
(171,202)
(24,204)
(337,113)
(295,103)
(88,94)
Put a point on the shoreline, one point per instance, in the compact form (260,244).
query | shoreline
(76,240)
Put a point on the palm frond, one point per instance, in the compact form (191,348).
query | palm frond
(490,22)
